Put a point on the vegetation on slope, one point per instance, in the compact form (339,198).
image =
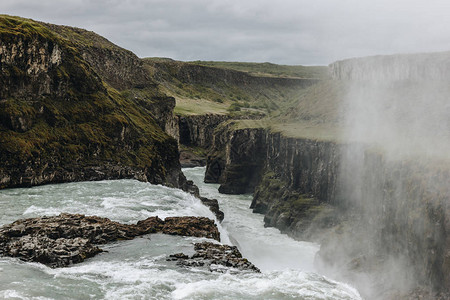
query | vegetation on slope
(62,117)
(269,69)
(201,89)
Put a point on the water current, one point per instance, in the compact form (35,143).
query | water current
(137,269)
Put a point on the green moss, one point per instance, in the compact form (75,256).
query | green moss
(92,124)
(11,27)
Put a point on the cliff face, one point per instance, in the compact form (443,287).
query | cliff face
(385,68)
(195,74)
(196,130)
(62,117)
(235,159)
(394,226)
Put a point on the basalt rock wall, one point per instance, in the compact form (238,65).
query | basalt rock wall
(203,75)
(195,130)
(401,213)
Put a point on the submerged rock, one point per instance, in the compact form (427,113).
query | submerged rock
(218,258)
(66,239)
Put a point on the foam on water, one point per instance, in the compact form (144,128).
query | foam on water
(269,285)
(265,247)
(137,269)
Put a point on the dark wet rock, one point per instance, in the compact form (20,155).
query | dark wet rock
(191,226)
(189,187)
(218,258)
(213,205)
(66,239)
(189,159)
(151,225)
(177,256)
(196,130)
(236,158)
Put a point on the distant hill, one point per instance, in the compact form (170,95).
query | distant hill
(269,69)
(215,87)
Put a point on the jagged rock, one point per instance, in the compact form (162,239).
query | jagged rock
(218,258)
(70,238)
(191,226)
(213,205)
(177,256)
(236,159)
(188,159)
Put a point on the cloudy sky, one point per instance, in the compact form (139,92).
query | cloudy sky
(308,32)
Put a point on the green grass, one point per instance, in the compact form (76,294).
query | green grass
(307,112)
(13,27)
(308,130)
(216,95)
(188,107)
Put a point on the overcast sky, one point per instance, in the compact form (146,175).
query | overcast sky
(308,32)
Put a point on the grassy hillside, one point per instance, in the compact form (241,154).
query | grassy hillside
(269,69)
(60,119)
(200,89)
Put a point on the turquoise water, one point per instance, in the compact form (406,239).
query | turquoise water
(138,269)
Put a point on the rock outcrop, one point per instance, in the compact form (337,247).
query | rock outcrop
(236,158)
(204,75)
(195,136)
(71,238)
(213,205)
(74,106)
(196,130)
(218,258)
(385,68)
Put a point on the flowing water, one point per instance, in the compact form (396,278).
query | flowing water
(137,269)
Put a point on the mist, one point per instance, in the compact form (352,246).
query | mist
(394,172)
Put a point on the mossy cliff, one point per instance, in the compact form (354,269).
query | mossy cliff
(73,106)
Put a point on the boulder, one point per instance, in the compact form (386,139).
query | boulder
(217,257)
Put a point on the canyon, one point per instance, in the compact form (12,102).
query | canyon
(75,107)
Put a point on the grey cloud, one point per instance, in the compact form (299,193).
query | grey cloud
(286,31)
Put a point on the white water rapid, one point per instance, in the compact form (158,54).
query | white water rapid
(137,269)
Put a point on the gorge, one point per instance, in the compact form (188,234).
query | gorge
(355,161)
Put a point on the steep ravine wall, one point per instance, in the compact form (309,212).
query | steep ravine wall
(61,118)
(195,130)
(203,75)
(384,68)
(299,189)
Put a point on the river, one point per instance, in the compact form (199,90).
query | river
(137,269)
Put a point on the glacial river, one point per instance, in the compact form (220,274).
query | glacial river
(137,269)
